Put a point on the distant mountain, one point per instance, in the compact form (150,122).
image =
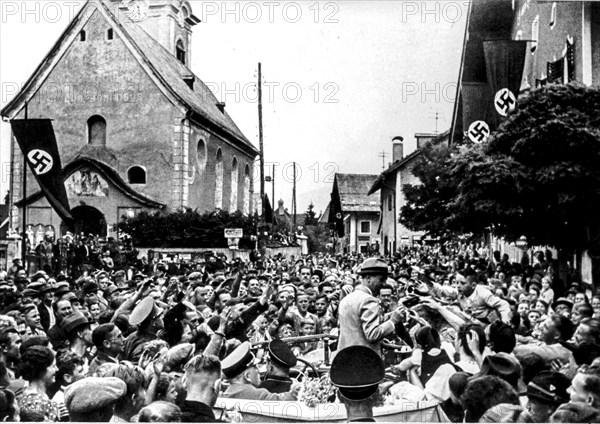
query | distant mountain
(320,198)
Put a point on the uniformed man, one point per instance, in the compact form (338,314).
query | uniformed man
(281,359)
(357,372)
(240,367)
(147,316)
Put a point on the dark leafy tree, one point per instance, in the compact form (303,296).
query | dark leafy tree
(310,217)
(537,176)
(427,204)
(188,228)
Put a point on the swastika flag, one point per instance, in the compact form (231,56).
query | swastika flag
(38,144)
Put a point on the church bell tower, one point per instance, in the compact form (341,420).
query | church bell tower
(169,22)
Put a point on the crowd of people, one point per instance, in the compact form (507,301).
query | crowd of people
(487,339)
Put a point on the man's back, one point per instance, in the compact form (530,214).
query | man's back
(197,412)
(248,391)
(359,321)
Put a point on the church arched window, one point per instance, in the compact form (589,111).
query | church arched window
(96,131)
(219,180)
(246,190)
(234,186)
(136,175)
(180,51)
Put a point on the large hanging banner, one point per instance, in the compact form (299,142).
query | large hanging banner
(38,144)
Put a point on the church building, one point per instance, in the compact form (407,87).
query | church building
(136,129)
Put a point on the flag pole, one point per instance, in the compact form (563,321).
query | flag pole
(261,146)
(24,240)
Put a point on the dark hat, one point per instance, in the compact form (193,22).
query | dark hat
(213,322)
(29,293)
(318,273)
(38,275)
(562,301)
(70,296)
(94,393)
(238,360)
(357,372)
(373,266)
(110,290)
(533,284)
(549,387)
(90,287)
(536,278)
(73,321)
(504,366)
(143,310)
(228,282)
(573,290)
(281,354)
(46,287)
(35,287)
(61,289)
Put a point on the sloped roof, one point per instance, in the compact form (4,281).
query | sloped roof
(399,164)
(354,189)
(162,65)
(324,218)
(201,99)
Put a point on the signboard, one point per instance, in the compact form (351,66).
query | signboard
(234,233)
(233,243)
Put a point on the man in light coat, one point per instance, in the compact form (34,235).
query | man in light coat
(359,311)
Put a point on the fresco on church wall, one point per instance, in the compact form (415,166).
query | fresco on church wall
(86,183)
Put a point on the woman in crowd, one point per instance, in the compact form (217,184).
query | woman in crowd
(38,368)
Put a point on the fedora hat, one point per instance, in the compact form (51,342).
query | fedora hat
(373,266)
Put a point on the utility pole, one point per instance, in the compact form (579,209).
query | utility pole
(261,147)
(294,199)
(273,198)
(382,155)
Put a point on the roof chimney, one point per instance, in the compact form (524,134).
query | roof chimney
(221,106)
(398,149)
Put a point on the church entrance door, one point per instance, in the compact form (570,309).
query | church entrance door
(89,220)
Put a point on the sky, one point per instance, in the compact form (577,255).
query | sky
(340,79)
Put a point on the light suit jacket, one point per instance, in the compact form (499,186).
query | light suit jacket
(248,391)
(359,321)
